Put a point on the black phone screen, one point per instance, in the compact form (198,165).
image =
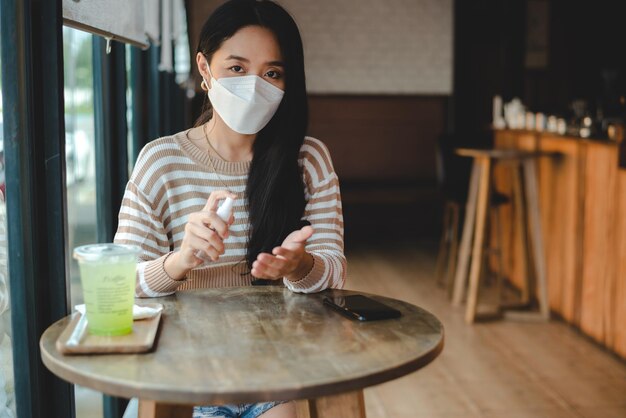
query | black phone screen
(361,307)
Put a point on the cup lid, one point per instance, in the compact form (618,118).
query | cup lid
(96,252)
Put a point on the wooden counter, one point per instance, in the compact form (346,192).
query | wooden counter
(583,213)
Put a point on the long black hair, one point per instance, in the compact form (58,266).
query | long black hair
(275,189)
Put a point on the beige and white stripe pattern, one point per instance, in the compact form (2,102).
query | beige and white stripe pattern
(173,178)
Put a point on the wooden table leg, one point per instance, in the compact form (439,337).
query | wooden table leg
(460,276)
(152,409)
(534,219)
(345,405)
(479,239)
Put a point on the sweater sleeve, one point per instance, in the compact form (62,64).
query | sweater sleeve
(324,212)
(139,225)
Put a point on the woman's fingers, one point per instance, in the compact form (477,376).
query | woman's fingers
(210,220)
(200,238)
(260,269)
(215,197)
(273,266)
(300,236)
(198,244)
(207,235)
(216,223)
(284,253)
(273,261)
(285,259)
(205,232)
(203,217)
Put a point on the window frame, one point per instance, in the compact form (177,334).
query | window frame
(34,135)
(34,145)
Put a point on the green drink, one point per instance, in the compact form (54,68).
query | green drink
(107,273)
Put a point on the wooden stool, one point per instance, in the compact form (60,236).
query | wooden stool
(476,221)
(449,242)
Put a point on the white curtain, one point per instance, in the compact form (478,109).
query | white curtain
(121,20)
(138,22)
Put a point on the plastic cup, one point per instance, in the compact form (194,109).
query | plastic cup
(107,274)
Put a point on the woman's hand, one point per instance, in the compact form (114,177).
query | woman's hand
(289,260)
(204,232)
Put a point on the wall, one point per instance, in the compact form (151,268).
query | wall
(388,138)
(376,47)
(366,46)
(383,149)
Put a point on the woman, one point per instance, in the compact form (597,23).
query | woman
(250,145)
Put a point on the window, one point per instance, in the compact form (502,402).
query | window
(7,395)
(80,173)
(79,146)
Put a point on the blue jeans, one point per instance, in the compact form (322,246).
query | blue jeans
(243,410)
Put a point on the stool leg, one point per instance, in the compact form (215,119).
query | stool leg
(454,248)
(477,258)
(497,224)
(532,194)
(485,268)
(460,276)
(492,246)
(520,225)
(443,244)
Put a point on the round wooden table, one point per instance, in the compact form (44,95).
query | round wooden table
(254,344)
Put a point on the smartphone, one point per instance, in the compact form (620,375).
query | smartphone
(361,307)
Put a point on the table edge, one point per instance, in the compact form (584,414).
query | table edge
(114,388)
(127,389)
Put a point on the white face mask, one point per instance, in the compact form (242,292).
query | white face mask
(245,103)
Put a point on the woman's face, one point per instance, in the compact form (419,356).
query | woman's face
(252,50)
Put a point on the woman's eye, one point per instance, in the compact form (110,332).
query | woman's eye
(273,74)
(236,68)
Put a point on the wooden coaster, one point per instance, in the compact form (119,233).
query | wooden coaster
(139,341)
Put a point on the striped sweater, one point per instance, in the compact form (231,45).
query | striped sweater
(173,178)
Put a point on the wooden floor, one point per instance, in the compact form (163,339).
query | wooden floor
(495,369)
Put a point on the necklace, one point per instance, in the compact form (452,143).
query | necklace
(206,136)
(221,180)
